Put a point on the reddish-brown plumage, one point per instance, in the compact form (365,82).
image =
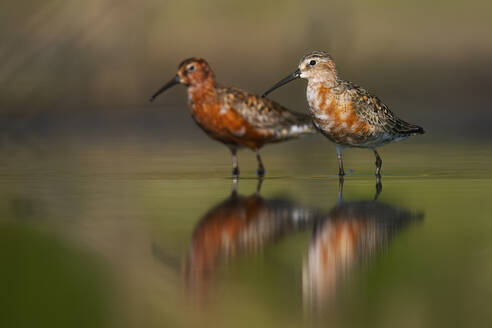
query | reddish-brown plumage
(213,113)
(235,117)
(229,128)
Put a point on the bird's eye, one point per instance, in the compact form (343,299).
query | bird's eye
(312,62)
(191,68)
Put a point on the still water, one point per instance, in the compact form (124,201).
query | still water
(136,234)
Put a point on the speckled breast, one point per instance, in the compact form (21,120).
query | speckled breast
(335,116)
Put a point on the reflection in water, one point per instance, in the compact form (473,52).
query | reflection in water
(350,234)
(238,225)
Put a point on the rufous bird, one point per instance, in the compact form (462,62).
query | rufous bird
(235,117)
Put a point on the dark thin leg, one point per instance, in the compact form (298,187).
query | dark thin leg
(261,169)
(235,167)
(379,163)
(341,172)
(379,187)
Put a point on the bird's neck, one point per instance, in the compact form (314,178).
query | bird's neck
(204,91)
(327,79)
(328,76)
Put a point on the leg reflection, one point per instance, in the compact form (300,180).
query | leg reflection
(340,190)
(379,187)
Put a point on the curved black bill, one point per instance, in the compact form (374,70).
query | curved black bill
(174,81)
(285,80)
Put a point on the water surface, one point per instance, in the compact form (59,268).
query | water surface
(134,233)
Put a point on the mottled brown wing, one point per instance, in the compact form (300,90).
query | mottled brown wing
(263,113)
(374,111)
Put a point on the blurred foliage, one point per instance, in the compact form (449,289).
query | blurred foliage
(44,283)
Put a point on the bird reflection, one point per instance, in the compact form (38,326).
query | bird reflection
(350,234)
(238,225)
(347,236)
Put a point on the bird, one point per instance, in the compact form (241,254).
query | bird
(344,112)
(237,118)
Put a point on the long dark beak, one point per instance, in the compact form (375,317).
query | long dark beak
(174,81)
(285,80)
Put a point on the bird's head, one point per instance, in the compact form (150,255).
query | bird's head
(191,72)
(317,66)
